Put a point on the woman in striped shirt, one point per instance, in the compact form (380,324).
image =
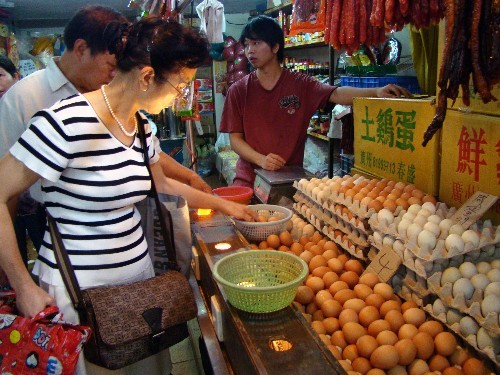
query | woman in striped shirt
(87,153)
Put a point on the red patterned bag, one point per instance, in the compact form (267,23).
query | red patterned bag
(42,345)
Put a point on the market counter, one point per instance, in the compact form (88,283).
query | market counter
(275,343)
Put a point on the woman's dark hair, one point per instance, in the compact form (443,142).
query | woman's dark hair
(266,29)
(89,24)
(8,65)
(166,46)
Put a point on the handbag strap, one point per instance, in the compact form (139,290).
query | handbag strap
(65,267)
(168,238)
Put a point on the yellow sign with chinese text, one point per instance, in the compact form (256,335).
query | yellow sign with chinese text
(471,159)
(388,135)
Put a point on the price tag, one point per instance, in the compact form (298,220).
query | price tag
(474,208)
(385,264)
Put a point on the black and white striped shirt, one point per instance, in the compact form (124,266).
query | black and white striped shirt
(90,182)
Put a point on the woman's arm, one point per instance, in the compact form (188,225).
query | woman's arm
(16,178)
(345,94)
(199,199)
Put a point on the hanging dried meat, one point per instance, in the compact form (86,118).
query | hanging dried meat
(472,45)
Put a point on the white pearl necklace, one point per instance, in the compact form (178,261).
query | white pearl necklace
(120,125)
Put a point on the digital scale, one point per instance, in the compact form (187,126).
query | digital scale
(271,186)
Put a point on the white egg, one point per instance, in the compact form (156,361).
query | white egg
(425,213)
(429,207)
(420,220)
(403,227)
(464,286)
(388,241)
(426,240)
(468,269)
(483,267)
(480,281)
(490,304)
(432,227)
(468,326)
(450,275)
(492,289)
(484,339)
(496,264)
(454,242)
(377,237)
(434,219)
(438,307)
(413,231)
(398,246)
(494,275)
(456,229)
(472,237)
(453,316)
(445,226)
(414,208)
(302,183)
(385,216)
(408,216)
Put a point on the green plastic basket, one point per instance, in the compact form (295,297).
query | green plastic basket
(260,281)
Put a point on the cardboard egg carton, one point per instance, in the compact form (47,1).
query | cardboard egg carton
(358,209)
(383,226)
(409,295)
(470,339)
(378,244)
(351,248)
(470,306)
(359,238)
(358,223)
(416,283)
(372,253)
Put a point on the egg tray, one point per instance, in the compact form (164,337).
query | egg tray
(354,250)
(374,241)
(309,217)
(372,253)
(470,307)
(471,340)
(414,282)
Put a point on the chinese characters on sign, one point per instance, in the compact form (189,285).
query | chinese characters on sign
(471,151)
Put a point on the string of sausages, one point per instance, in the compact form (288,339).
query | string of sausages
(350,23)
(472,48)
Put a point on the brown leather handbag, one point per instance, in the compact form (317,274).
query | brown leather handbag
(131,321)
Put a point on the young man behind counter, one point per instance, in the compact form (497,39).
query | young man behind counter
(267,112)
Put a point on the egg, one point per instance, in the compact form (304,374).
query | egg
(467,269)
(464,286)
(354,266)
(426,240)
(317,261)
(286,238)
(383,289)
(492,288)
(378,326)
(343,295)
(407,351)
(435,219)
(388,306)
(438,363)
(457,229)
(470,236)
(304,294)
(350,353)
(453,316)
(353,331)
(418,367)
(385,216)
(384,357)
(355,304)
(468,326)
(368,315)
(366,345)
(337,286)
(414,316)
(387,338)
(480,281)
(390,205)
(331,325)
(494,275)
(413,231)
(315,283)
(474,366)
(432,327)
(395,319)
(420,220)
(273,240)
(445,226)
(445,343)
(361,365)
(454,243)
(318,327)
(485,339)
(403,227)
(308,230)
(459,356)
(370,279)
(375,300)
(408,305)
(450,275)
(321,297)
(414,209)
(375,205)
(338,339)
(483,267)
(425,345)
(490,304)
(432,227)
(331,308)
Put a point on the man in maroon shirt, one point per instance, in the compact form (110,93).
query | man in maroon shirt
(267,112)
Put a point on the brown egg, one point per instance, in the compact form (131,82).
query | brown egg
(385,290)
(358,196)
(348,316)
(343,258)
(331,308)
(353,331)
(375,300)
(368,315)
(321,244)
(318,327)
(408,305)
(367,200)
(362,291)
(387,338)
(354,266)
(407,351)
(474,366)
(329,278)
(315,283)
(378,326)
(389,306)
(370,279)
(321,297)
(375,371)
(311,308)
(350,352)
(402,202)
(306,256)
(376,205)
(317,261)
(330,245)
(438,363)
(395,319)
(308,246)
(316,237)
(432,327)
(384,357)
(329,254)
(261,218)
(418,367)
(445,343)
(390,204)
(343,295)
(304,240)
(425,345)
(296,248)
(337,286)
(335,352)
(338,339)
(366,345)
(361,365)
(459,356)
(414,200)
(351,278)
(321,271)
(407,331)
(414,316)
(263,245)
(331,325)
(335,265)
(355,304)
(452,371)
(304,295)
(284,248)
(318,316)
(429,198)
(346,365)
(273,240)
(418,193)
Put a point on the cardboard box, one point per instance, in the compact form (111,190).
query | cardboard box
(471,159)
(476,104)
(388,135)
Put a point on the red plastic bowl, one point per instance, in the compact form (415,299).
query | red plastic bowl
(240,194)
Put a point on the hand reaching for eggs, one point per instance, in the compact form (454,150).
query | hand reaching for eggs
(272,162)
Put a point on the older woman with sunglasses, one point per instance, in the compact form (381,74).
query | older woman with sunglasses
(87,153)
